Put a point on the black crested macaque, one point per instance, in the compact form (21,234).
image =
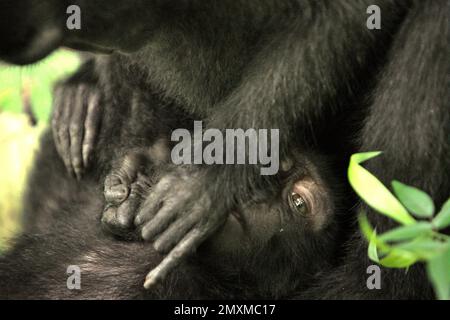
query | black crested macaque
(258,253)
(270,248)
(289,65)
(298,66)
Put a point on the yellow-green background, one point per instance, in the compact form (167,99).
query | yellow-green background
(18,138)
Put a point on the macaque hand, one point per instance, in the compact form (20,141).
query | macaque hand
(177,218)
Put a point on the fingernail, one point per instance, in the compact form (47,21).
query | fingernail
(149,282)
(158,246)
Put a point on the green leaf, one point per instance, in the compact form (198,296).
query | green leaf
(371,235)
(442,219)
(372,249)
(365,226)
(39,79)
(424,248)
(398,259)
(438,270)
(407,232)
(415,200)
(373,192)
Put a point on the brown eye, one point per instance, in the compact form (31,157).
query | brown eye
(297,203)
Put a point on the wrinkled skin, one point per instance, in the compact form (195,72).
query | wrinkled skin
(267,249)
(298,66)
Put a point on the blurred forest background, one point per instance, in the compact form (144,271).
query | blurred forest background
(25,109)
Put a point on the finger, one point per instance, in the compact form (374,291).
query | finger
(63,131)
(160,221)
(56,111)
(109,216)
(117,185)
(119,219)
(186,247)
(91,127)
(173,235)
(76,130)
(56,117)
(115,190)
(129,167)
(127,210)
(152,203)
(138,190)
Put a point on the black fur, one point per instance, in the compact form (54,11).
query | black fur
(65,230)
(409,120)
(293,65)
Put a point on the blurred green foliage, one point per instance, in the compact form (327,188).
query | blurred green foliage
(20,87)
(418,239)
(38,79)
(18,141)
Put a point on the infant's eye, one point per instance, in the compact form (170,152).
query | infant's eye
(297,203)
